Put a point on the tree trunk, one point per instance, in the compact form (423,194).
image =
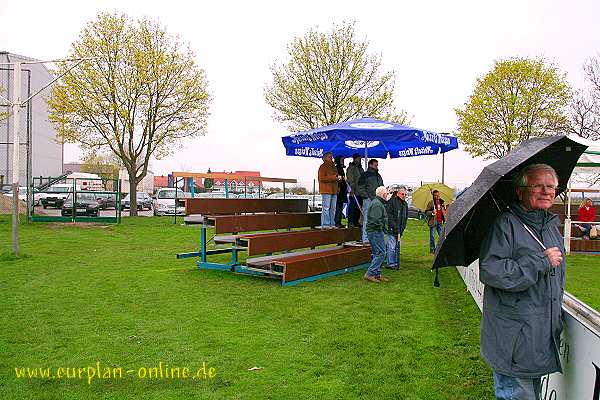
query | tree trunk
(132,195)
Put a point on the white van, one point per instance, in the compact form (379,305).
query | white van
(56,194)
(164,201)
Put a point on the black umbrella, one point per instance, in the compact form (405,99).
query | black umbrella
(473,213)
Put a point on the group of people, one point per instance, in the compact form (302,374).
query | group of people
(521,263)
(381,212)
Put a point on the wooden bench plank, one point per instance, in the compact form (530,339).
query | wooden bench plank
(303,266)
(233,238)
(259,222)
(265,261)
(585,245)
(280,241)
(240,206)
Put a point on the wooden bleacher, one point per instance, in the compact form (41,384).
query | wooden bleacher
(301,260)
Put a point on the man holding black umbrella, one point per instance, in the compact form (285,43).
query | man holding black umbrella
(523,268)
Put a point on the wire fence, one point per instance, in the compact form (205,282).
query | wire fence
(7,130)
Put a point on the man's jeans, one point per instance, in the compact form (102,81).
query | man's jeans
(328,210)
(586,228)
(353,210)
(511,388)
(393,250)
(437,227)
(377,241)
(366,204)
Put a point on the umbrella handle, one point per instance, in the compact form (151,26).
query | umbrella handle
(358,204)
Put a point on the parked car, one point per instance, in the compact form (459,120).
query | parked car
(86,204)
(56,194)
(315,203)
(106,200)
(143,201)
(5,188)
(164,201)
(23,195)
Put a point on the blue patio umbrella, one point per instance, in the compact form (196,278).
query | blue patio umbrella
(371,137)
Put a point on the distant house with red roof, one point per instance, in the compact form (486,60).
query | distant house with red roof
(239,184)
(162,181)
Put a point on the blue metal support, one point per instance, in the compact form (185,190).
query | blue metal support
(234,256)
(325,275)
(202,243)
(241,269)
(226,188)
(188,255)
(214,266)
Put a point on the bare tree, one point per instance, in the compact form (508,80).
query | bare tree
(584,113)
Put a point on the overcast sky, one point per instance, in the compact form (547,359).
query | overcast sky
(437,48)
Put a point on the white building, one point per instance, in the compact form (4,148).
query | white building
(46,158)
(146,185)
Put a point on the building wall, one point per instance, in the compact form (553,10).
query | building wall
(47,151)
(146,185)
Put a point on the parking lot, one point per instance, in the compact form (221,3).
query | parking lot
(55,212)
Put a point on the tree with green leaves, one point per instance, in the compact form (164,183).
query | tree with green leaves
(298,190)
(106,166)
(138,95)
(518,99)
(329,78)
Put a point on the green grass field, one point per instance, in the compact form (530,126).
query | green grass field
(116,295)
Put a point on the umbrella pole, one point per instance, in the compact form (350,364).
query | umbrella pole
(358,204)
(567,229)
(366,156)
(398,250)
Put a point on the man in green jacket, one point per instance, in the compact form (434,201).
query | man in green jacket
(376,227)
(367,184)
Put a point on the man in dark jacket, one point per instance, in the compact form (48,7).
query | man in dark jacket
(368,182)
(397,212)
(376,225)
(342,196)
(353,174)
(523,269)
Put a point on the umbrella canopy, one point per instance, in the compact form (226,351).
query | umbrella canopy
(473,213)
(371,137)
(423,195)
